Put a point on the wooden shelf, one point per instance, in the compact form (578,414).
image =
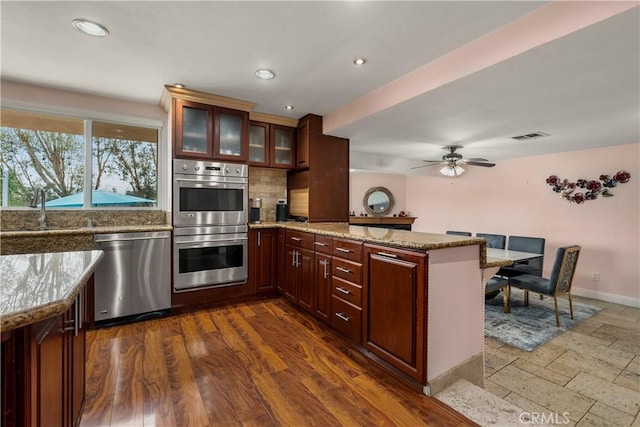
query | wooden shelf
(382,219)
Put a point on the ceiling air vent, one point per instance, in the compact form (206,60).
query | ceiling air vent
(530,136)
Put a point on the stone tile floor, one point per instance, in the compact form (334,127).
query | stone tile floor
(587,376)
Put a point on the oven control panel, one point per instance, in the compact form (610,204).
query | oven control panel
(195,167)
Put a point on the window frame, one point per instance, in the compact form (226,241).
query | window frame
(88,119)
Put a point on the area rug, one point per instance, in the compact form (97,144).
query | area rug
(530,327)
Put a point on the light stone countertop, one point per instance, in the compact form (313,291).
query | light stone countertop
(389,237)
(62,231)
(35,287)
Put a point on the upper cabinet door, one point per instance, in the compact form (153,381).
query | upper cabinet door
(282,147)
(302,155)
(193,129)
(308,125)
(231,140)
(259,144)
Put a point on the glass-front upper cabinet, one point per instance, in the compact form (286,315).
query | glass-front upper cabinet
(231,140)
(193,129)
(258,144)
(282,146)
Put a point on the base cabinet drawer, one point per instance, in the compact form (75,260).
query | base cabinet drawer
(347,270)
(348,291)
(346,318)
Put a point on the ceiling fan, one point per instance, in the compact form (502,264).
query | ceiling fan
(452,162)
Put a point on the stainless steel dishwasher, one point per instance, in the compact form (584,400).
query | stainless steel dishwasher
(134,279)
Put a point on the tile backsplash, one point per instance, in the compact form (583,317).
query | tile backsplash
(270,185)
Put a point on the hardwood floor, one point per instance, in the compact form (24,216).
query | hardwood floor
(254,364)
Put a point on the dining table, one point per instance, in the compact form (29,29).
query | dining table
(497,258)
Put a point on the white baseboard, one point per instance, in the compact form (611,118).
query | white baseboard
(605,296)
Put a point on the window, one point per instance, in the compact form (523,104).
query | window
(46,151)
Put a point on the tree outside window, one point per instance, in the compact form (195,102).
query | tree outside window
(46,151)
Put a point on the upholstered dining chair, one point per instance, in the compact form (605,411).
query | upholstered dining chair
(494,286)
(494,240)
(458,233)
(531,266)
(560,281)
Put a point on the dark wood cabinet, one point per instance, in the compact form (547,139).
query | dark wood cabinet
(281,259)
(263,259)
(44,371)
(346,288)
(319,188)
(323,246)
(208,132)
(299,279)
(395,308)
(49,375)
(231,135)
(192,129)
(271,145)
(306,285)
(323,286)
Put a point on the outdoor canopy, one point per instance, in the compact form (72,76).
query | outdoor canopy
(97,198)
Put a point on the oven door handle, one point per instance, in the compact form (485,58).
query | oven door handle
(187,242)
(213,183)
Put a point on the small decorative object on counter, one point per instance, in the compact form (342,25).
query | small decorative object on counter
(594,188)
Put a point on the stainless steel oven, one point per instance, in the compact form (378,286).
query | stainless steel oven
(210,213)
(209,193)
(209,257)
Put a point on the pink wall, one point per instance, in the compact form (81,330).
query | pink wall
(513,199)
(360,182)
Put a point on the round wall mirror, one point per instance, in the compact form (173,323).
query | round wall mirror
(378,201)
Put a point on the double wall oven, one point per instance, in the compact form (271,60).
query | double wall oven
(210,224)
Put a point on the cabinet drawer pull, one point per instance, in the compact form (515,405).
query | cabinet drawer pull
(387,254)
(296,239)
(344,270)
(319,244)
(343,290)
(343,317)
(344,250)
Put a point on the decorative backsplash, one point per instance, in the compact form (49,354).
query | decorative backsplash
(16,219)
(270,185)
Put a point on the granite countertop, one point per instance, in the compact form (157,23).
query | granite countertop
(384,236)
(390,237)
(40,286)
(52,231)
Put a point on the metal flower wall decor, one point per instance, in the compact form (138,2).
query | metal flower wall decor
(594,188)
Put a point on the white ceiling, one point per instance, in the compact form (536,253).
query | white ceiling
(583,88)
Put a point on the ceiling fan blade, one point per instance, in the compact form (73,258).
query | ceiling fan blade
(433,161)
(478,159)
(426,166)
(476,163)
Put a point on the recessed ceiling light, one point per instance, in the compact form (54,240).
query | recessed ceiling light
(288,107)
(178,85)
(359,61)
(264,74)
(91,28)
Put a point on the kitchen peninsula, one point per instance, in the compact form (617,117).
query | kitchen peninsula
(43,312)
(412,301)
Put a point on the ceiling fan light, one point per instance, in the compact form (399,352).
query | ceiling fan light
(452,171)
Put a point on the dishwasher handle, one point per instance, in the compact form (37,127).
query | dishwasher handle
(126,239)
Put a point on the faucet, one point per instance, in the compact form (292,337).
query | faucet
(42,220)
